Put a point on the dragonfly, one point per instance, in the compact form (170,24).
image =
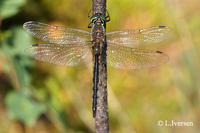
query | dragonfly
(76,47)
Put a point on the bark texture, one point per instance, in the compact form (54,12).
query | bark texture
(101,119)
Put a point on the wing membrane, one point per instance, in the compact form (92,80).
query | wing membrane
(67,55)
(56,34)
(128,58)
(139,38)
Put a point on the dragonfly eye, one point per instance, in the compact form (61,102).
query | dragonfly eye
(94,17)
(103,17)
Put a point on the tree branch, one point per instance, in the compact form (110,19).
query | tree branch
(101,119)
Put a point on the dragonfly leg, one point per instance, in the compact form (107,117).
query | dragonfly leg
(108,16)
(89,13)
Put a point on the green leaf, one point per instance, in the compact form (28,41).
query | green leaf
(17,41)
(8,8)
(21,107)
(14,46)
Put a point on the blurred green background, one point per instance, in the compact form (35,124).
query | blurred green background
(38,97)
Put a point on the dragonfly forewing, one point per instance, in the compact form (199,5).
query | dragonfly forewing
(139,38)
(59,54)
(75,47)
(121,57)
(56,34)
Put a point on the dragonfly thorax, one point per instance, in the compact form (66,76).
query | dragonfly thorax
(98,32)
(98,41)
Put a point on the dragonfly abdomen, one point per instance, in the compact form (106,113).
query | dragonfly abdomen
(95,85)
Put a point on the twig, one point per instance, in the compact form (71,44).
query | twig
(101,119)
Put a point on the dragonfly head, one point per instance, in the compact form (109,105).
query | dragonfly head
(98,15)
(97,19)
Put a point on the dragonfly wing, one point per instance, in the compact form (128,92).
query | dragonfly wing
(56,34)
(129,58)
(139,38)
(67,55)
